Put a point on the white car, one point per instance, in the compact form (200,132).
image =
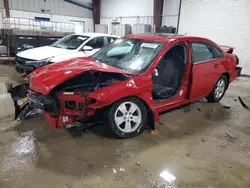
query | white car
(71,46)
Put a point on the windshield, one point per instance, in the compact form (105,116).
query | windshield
(134,55)
(70,42)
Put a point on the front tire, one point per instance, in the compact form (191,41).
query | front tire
(219,90)
(127,117)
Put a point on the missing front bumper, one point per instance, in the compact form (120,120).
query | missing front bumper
(17,87)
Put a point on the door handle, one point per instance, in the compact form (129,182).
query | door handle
(216,65)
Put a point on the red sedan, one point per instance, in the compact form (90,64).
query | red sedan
(132,80)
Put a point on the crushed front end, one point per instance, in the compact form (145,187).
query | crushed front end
(60,109)
(69,102)
(17,87)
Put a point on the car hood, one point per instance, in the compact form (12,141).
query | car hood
(44,79)
(43,52)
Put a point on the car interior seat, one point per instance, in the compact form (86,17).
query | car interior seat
(170,71)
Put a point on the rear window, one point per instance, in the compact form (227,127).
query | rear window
(217,52)
(201,52)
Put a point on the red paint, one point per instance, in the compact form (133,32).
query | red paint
(198,81)
(44,79)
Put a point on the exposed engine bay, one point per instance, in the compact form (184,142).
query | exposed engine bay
(67,97)
(91,81)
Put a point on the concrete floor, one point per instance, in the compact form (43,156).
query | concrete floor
(203,145)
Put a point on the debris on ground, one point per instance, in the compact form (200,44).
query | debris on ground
(235,99)
(186,109)
(243,104)
(155,132)
(137,163)
(203,140)
(105,166)
(227,107)
(199,109)
(91,166)
(230,136)
(161,123)
(187,134)
(122,169)
(114,171)
(188,155)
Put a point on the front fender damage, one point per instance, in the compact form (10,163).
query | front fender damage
(139,87)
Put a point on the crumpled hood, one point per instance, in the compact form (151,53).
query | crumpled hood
(44,79)
(43,52)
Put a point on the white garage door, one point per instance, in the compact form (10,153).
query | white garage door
(227,22)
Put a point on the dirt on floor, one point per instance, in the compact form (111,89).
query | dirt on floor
(200,145)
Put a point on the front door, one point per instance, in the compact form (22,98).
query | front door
(168,87)
(206,69)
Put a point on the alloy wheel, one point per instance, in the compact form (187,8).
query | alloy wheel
(220,88)
(128,117)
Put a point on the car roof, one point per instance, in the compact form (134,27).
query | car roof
(95,34)
(163,37)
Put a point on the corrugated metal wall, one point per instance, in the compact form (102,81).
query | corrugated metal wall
(128,20)
(226,22)
(170,12)
(57,7)
(56,10)
(88,22)
(138,11)
(1,4)
(126,8)
(127,12)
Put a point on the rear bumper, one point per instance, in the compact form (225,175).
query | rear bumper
(238,71)
(235,74)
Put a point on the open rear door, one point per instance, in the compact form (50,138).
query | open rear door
(203,76)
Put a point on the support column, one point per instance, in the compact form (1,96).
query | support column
(158,10)
(7,8)
(96,4)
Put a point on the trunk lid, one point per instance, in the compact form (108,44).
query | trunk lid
(228,49)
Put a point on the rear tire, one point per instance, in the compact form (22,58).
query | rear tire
(219,90)
(127,117)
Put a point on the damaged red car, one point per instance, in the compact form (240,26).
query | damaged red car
(131,81)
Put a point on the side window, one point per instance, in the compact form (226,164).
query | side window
(201,52)
(111,39)
(217,52)
(96,43)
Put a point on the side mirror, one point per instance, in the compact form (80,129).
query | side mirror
(87,48)
(155,73)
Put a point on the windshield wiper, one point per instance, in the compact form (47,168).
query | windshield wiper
(56,46)
(70,48)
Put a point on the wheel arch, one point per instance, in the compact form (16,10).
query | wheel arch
(228,77)
(150,120)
